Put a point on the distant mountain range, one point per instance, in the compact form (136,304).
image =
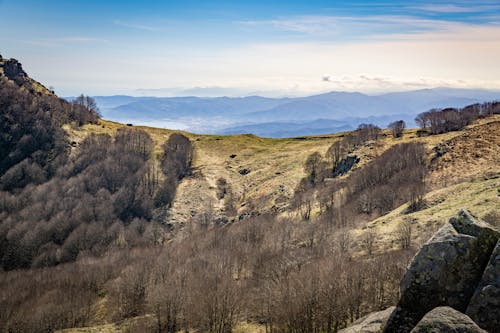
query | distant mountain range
(284,117)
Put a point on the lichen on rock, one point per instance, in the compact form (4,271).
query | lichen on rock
(445,272)
(445,319)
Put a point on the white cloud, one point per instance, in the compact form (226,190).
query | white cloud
(365,27)
(450,8)
(135,25)
(58,41)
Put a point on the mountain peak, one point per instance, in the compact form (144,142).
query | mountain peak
(13,70)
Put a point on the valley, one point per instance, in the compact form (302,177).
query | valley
(114,227)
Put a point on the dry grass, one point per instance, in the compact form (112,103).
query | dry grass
(481,197)
(276,165)
(136,324)
(249,328)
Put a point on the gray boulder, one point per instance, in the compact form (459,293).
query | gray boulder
(445,319)
(372,323)
(445,272)
(484,307)
(345,165)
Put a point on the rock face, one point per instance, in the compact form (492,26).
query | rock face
(445,272)
(13,70)
(446,319)
(345,165)
(484,307)
(371,323)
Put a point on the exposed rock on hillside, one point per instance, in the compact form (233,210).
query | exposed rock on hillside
(371,323)
(445,272)
(446,319)
(484,306)
(13,70)
(345,165)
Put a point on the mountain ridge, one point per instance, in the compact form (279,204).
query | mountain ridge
(220,115)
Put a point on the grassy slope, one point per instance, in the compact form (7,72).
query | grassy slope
(481,197)
(276,165)
(465,176)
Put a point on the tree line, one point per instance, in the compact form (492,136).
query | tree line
(438,121)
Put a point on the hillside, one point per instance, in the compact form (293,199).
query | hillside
(466,175)
(276,165)
(119,228)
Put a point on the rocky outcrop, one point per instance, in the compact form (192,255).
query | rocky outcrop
(13,71)
(445,319)
(445,272)
(484,307)
(345,165)
(371,323)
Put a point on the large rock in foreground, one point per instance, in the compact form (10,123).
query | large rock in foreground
(484,307)
(445,272)
(372,323)
(445,319)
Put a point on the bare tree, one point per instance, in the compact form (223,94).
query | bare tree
(403,234)
(397,128)
(88,103)
(336,153)
(368,241)
(312,167)
(177,156)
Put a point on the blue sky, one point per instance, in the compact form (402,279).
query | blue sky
(271,48)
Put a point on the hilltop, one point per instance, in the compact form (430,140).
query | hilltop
(13,70)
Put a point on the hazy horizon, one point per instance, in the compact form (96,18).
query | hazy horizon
(220,92)
(273,49)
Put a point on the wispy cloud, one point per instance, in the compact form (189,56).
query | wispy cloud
(454,9)
(135,25)
(345,25)
(365,27)
(58,41)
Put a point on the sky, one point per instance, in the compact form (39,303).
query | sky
(259,47)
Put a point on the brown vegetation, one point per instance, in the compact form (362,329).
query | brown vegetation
(438,121)
(82,241)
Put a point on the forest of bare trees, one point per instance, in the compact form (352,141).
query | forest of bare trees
(211,282)
(445,120)
(53,206)
(395,177)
